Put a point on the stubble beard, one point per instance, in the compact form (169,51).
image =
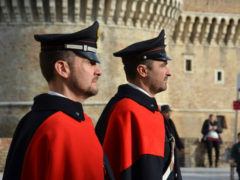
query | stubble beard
(91,92)
(163,87)
(86,93)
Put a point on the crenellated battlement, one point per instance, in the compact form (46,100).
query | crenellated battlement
(152,14)
(207,28)
(185,26)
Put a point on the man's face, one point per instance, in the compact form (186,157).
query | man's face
(158,76)
(212,119)
(167,114)
(84,77)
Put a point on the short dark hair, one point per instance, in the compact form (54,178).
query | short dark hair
(130,67)
(210,116)
(238,134)
(49,58)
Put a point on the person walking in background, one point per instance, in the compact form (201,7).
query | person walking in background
(166,111)
(56,139)
(235,154)
(211,130)
(131,127)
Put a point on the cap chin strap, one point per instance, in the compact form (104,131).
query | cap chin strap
(80,47)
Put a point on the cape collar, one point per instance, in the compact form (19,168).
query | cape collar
(138,88)
(46,102)
(141,98)
(56,94)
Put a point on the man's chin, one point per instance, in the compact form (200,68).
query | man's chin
(163,89)
(92,92)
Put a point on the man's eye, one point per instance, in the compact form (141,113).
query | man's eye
(93,62)
(163,65)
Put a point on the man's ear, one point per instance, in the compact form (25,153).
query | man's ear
(62,68)
(142,70)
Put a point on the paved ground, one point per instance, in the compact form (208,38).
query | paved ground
(207,174)
(202,174)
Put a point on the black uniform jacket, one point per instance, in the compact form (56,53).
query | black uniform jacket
(132,131)
(55,140)
(174,132)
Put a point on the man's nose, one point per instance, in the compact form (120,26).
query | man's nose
(168,72)
(98,71)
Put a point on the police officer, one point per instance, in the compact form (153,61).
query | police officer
(56,139)
(131,127)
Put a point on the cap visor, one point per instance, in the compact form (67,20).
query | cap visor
(158,56)
(165,58)
(89,55)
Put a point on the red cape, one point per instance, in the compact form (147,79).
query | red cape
(55,140)
(132,131)
(63,148)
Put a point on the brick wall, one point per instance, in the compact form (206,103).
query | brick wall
(195,155)
(216,6)
(4,146)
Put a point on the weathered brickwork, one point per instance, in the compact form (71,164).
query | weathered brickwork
(195,153)
(216,6)
(4,146)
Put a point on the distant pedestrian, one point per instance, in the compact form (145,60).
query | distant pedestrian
(211,130)
(166,111)
(235,153)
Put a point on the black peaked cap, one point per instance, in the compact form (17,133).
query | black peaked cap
(83,43)
(165,108)
(150,49)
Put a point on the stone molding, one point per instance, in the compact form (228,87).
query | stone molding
(98,103)
(207,29)
(151,14)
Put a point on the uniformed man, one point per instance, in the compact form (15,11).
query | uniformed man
(166,112)
(131,127)
(56,139)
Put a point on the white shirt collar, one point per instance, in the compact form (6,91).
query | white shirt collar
(138,88)
(56,94)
